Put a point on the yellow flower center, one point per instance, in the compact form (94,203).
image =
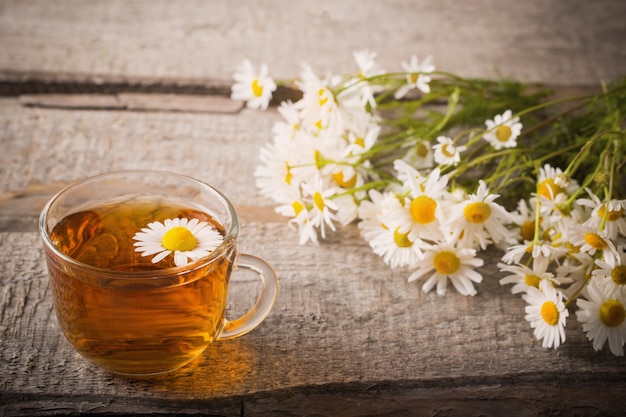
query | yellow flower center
(423,209)
(618,275)
(446,152)
(297,207)
(446,262)
(414,77)
(401,239)
(612,313)
(595,241)
(338,177)
(179,238)
(549,189)
(360,142)
(422,150)
(477,212)
(612,215)
(527,230)
(503,133)
(549,313)
(257,89)
(288,174)
(318,199)
(532,281)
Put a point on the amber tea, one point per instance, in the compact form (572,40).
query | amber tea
(139,265)
(141,324)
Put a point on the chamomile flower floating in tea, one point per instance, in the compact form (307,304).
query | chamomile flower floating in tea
(188,240)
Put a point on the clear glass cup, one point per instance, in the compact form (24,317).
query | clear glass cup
(117,307)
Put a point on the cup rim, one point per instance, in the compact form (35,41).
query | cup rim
(229,239)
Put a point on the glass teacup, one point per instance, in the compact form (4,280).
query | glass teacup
(140,263)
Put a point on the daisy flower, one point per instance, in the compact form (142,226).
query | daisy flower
(188,240)
(591,240)
(547,314)
(603,317)
(379,227)
(549,184)
(320,212)
(318,106)
(479,221)
(613,270)
(445,261)
(524,277)
(420,155)
(446,153)
(577,268)
(524,218)
(291,125)
(365,61)
(503,130)
(544,248)
(424,209)
(255,88)
(615,221)
(417,76)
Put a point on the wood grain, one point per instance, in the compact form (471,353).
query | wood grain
(348,336)
(559,42)
(346,332)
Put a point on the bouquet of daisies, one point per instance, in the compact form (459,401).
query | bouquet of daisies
(435,168)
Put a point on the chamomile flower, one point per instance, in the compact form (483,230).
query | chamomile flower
(423,210)
(445,261)
(318,106)
(549,184)
(544,248)
(590,240)
(188,240)
(255,88)
(603,316)
(503,130)
(379,226)
(420,155)
(366,62)
(479,220)
(577,268)
(296,209)
(524,218)
(417,76)
(547,314)
(291,125)
(613,270)
(446,152)
(322,208)
(614,219)
(524,277)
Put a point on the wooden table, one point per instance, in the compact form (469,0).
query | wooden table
(348,336)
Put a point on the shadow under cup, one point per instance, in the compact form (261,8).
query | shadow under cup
(117,308)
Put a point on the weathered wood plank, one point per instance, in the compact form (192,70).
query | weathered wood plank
(48,146)
(342,318)
(343,321)
(561,41)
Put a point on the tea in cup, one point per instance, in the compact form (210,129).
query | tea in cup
(140,263)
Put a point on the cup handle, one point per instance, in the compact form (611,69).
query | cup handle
(263,305)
